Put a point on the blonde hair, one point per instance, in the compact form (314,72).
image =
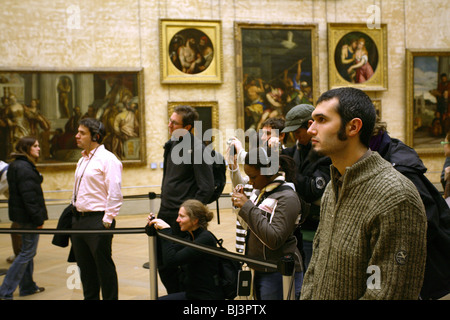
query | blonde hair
(197,210)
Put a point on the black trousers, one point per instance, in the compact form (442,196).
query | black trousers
(93,256)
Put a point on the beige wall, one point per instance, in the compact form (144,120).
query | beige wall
(124,34)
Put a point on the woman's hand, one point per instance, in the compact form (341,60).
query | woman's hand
(238,198)
(157,223)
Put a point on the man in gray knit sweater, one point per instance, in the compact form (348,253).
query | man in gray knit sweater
(371,239)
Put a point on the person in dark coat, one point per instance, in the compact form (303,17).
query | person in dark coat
(200,269)
(184,177)
(405,159)
(313,172)
(26,207)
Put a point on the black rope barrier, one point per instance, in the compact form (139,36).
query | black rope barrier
(74,231)
(218,252)
(205,248)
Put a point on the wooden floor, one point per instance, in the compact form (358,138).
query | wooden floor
(130,252)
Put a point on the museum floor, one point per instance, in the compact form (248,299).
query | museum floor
(130,252)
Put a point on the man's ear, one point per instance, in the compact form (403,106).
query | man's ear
(354,127)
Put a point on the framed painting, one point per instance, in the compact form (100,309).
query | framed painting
(427,99)
(276,69)
(357,56)
(377,105)
(50,104)
(208,112)
(191,51)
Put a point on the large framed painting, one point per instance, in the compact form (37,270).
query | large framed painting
(191,51)
(427,99)
(50,104)
(276,69)
(208,112)
(357,56)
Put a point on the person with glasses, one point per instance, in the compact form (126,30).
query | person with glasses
(183,179)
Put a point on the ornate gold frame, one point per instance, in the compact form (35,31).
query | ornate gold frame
(336,32)
(275,27)
(169,72)
(430,147)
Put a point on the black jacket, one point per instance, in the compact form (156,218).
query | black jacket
(186,179)
(313,174)
(26,204)
(200,268)
(406,161)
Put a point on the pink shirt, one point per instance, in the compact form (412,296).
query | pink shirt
(98,180)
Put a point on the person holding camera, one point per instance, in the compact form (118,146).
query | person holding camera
(97,199)
(200,269)
(272,213)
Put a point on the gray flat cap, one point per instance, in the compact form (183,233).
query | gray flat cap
(297,116)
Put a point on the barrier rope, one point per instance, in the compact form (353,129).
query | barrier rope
(176,239)
(151,233)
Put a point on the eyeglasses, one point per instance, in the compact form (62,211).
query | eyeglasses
(445,142)
(174,123)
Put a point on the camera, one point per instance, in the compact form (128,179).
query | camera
(232,147)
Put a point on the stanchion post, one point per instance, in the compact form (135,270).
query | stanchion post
(152,253)
(286,268)
(152,266)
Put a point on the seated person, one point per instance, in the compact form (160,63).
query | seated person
(200,269)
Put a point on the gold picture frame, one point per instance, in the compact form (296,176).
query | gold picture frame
(181,60)
(53,102)
(357,56)
(377,105)
(427,109)
(265,52)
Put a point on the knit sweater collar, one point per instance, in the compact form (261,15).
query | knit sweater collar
(365,168)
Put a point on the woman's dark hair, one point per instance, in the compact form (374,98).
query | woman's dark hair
(265,158)
(197,210)
(24,145)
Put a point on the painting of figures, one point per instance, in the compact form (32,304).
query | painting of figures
(49,105)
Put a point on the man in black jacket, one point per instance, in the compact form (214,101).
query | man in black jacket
(185,176)
(313,171)
(405,159)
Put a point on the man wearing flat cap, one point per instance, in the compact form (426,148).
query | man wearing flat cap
(313,172)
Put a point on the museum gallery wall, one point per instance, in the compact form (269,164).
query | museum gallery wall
(240,61)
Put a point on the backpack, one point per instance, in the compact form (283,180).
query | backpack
(4,188)
(228,274)
(219,168)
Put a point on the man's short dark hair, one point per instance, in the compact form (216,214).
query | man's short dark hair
(188,114)
(353,103)
(96,128)
(274,123)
